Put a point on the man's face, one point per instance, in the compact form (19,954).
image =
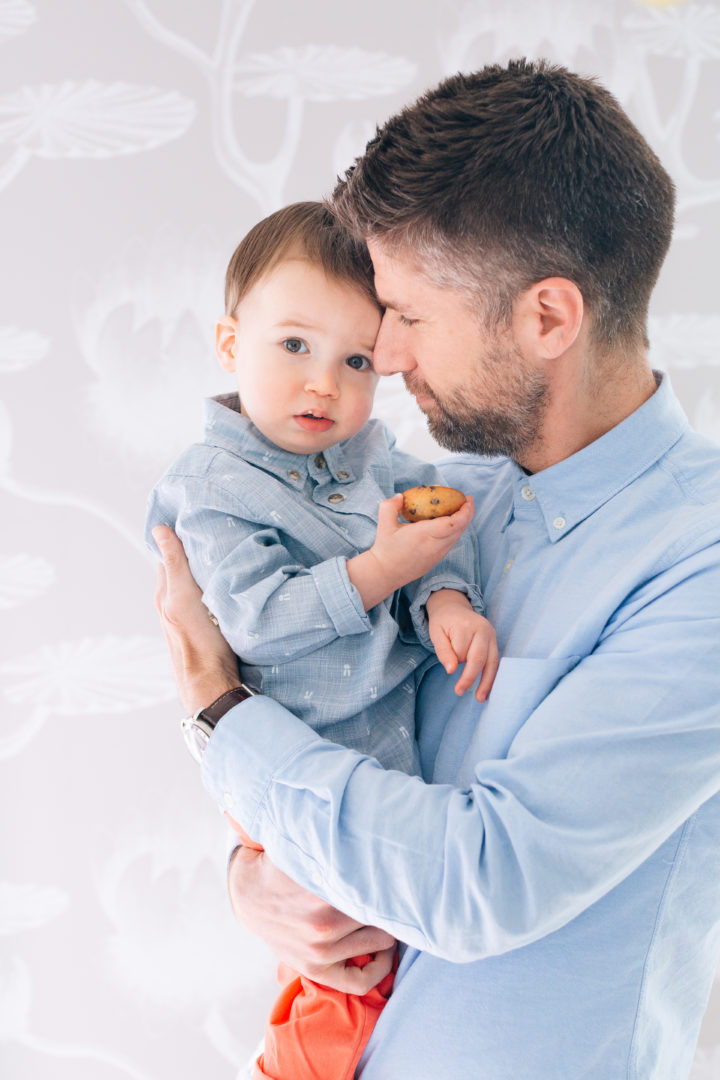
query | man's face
(479,393)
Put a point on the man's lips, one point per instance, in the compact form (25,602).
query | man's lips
(422,394)
(313,423)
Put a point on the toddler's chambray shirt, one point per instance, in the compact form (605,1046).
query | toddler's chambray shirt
(559,881)
(268,534)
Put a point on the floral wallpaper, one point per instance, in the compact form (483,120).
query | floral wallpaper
(139,140)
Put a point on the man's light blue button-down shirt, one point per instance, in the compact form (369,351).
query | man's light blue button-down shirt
(558,882)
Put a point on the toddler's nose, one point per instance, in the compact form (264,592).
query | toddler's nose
(322,383)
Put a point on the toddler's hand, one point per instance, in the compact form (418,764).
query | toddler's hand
(460,635)
(410,550)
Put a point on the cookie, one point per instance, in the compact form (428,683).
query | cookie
(430,501)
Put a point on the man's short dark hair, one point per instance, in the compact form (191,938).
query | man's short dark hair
(500,178)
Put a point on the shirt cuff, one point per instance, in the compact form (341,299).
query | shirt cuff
(418,614)
(249,745)
(342,601)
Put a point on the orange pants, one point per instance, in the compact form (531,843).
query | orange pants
(314,1032)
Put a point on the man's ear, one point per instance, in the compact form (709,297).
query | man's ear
(226,330)
(548,317)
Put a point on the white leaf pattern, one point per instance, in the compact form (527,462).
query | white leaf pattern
(92,119)
(24,907)
(322,73)
(678,31)
(16,16)
(20,349)
(102,385)
(92,675)
(23,577)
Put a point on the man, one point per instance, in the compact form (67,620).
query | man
(557,884)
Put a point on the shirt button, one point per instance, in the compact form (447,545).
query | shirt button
(507,565)
(343,475)
(559,523)
(228,800)
(320,462)
(336,498)
(293,474)
(527,493)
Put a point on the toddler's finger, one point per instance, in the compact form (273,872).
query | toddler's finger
(489,672)
(388,512)
(445,652)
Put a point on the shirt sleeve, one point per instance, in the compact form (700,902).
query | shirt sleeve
(612,757)
(270,607)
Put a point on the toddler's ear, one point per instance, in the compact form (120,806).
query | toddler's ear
(225,336)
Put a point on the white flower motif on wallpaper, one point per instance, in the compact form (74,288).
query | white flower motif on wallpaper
(91,675)
(25,907)
(313,73)
(86,677)
(678,31)
(549,28)
(155,881)
(20,349)
(145,330)
(23,577)
(88,120)
(16,16)
(322,73)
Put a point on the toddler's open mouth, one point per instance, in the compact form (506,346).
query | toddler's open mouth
(309,421)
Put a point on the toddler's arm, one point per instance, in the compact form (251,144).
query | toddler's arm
(461,635)
(401,552)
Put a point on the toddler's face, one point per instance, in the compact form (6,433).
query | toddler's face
(301,345)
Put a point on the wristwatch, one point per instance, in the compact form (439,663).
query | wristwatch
(198,728)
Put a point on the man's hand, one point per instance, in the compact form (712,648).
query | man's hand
(204,664)
(302,930)
(403,552)
(461,635)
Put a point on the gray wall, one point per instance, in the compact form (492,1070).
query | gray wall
(138,142)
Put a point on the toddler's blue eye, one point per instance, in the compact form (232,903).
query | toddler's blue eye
(295,345)
(359,363)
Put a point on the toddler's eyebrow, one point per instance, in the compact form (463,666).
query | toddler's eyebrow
(298,323)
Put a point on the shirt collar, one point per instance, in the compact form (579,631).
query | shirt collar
(576,487)
(226,427)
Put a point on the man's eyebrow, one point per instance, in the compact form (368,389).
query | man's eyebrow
(392,304)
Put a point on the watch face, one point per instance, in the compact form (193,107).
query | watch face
(196,739)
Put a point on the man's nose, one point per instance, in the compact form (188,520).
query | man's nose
(389,356)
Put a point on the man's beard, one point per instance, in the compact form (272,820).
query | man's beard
(507,430)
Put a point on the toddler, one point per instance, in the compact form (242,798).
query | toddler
(289,513)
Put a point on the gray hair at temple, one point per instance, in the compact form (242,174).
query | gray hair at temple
(498,179)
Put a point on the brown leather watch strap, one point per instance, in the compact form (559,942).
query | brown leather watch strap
(227,701)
